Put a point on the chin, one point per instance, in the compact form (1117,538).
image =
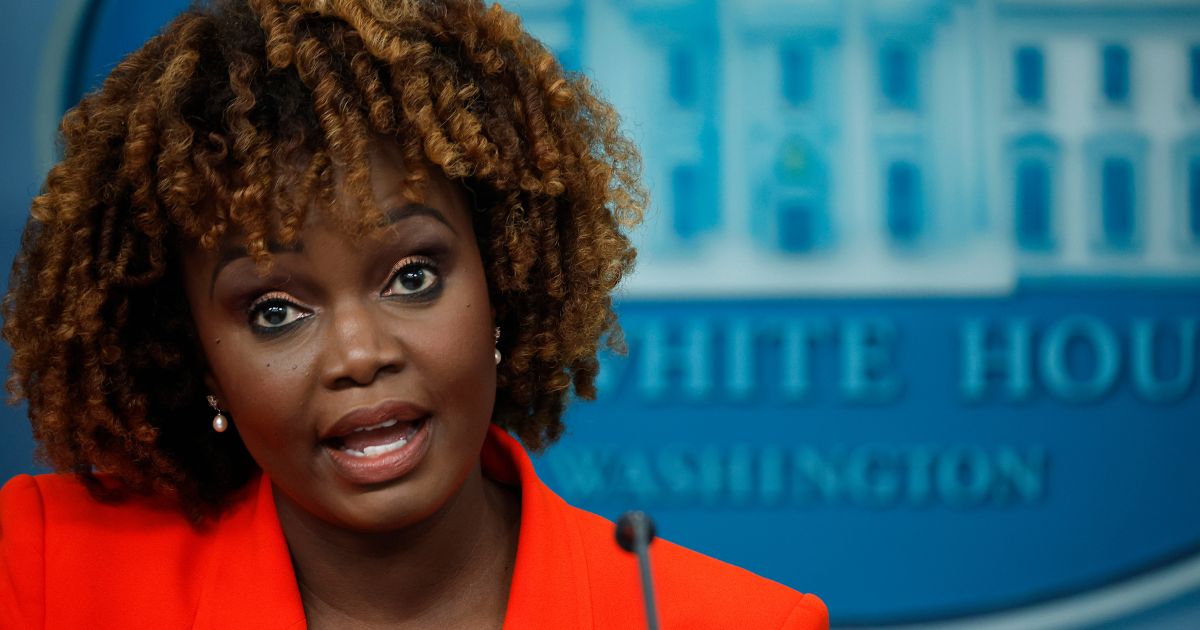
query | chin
(400,504)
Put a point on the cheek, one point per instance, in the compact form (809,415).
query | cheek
(263,390)
(466,354)
(459,351)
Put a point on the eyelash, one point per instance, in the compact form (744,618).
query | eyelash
(424,263)
(274,298)
(277,298)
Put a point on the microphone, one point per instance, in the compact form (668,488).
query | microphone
(635,531)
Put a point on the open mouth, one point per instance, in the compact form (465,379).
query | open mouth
(385,437)
(380,452)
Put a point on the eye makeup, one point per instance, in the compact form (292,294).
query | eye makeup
(275,312)
(416,278)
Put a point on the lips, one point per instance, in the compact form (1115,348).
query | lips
(378,444)
(385,437)
(370,418)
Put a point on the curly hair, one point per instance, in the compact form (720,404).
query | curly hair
(242,117)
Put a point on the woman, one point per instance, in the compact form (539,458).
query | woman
(304,268)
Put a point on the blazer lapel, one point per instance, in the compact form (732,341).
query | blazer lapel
(550,584)
(251,582)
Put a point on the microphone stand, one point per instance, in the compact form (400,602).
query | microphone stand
(635,531)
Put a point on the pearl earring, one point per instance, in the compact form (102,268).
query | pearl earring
(497,349)
(219,422)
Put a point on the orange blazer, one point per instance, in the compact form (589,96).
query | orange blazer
(70,562)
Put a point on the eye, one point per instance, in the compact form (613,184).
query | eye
(413,277)
(274,312)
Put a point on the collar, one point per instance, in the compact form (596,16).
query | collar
(251,582)
(550,581)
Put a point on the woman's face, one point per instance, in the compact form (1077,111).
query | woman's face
(360,375)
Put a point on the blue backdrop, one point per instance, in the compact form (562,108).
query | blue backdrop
(916,314)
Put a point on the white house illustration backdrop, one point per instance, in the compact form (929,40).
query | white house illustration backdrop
(899,146)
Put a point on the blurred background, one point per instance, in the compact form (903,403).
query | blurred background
(915,320)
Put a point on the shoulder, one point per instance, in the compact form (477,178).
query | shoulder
(61,549)
(692,590)
(21,551)
(570,569)
(61,504)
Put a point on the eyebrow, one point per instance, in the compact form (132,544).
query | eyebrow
(409,210)
(231,253)
(393,216)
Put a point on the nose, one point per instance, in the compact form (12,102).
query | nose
(362,346)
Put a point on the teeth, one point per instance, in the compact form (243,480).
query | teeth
(390,422)
(371,451)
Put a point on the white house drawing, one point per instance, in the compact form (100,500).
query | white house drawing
(831,147)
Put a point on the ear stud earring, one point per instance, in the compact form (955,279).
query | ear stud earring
(497,342)
(219,421)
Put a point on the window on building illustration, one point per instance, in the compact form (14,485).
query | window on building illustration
(904,220)
(801,225)
(1115,76)
(1033,204)
(796,68)
(898,75)
(1117,201)
(1029,75)
(688,217)
(683,82)
(1194,63)
(1193,199)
